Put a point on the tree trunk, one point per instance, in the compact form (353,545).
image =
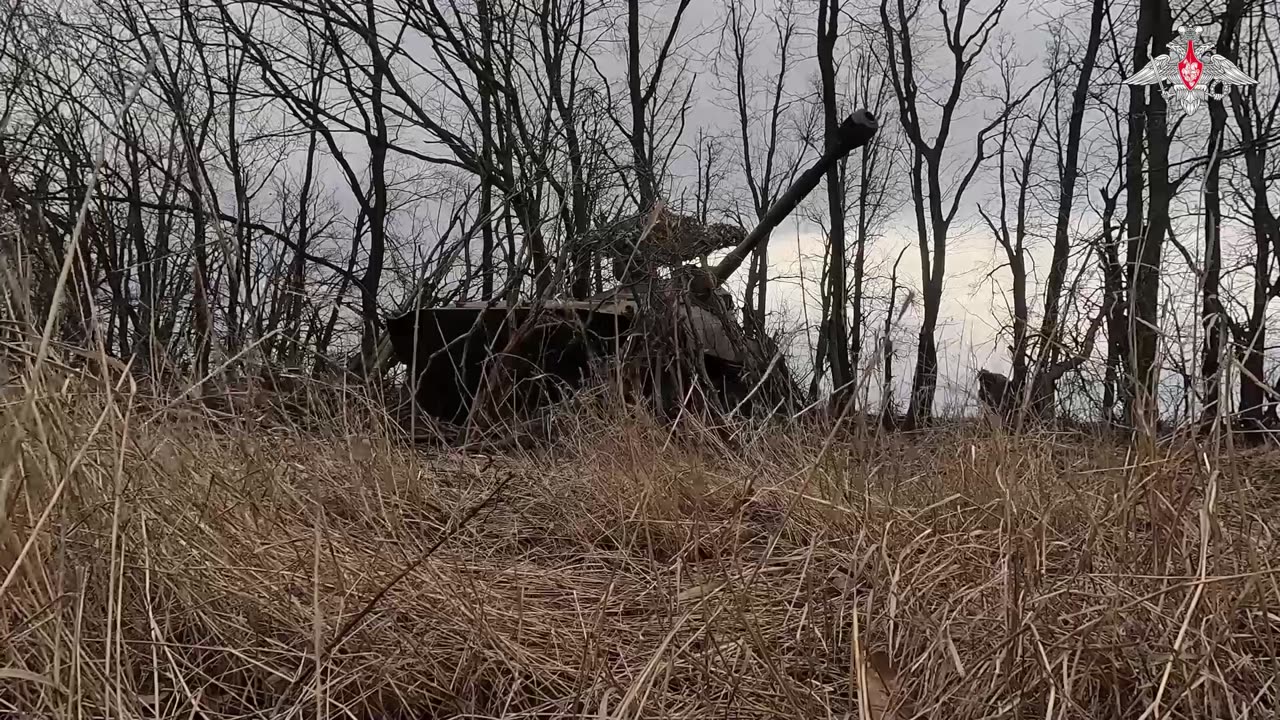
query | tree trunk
(1147,238)
(1113,293)
(1051,328)
(1266,232)
(487,246)
(639,151)
(838,340)
(1211,311)
(860,255)
(371,281)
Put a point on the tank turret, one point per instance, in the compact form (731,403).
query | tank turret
(669,321)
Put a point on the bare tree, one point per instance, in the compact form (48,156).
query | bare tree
(873,198)
(1068,166)
(837,324)
(1155,27)
(1256,121)
(562,31)
(934,215)
(1213,315)
(1013,239)
(642,94)
(708,160)
(766,169)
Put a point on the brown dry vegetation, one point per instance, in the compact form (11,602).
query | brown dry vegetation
(162,562)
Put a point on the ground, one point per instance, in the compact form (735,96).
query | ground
(162,560)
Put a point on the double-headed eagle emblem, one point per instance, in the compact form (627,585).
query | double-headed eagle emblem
(1190,80)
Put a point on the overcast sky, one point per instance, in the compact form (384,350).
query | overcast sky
(971,311)
(975,304)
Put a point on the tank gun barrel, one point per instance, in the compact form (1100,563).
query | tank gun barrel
(856,131)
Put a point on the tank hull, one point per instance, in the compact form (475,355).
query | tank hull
(548,352)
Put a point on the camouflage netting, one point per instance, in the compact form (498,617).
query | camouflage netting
(675,239)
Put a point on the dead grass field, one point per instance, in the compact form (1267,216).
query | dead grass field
(163,562)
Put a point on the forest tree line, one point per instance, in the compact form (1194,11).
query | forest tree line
(267,180)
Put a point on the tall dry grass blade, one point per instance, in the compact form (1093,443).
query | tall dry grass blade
(50,504)
(1205,515)
(16,673)
(352,624)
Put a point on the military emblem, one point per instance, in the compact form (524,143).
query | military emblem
(1190,80)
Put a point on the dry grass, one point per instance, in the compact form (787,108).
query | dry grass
(176,566)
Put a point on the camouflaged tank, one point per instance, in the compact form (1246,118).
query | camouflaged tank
(667,329)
